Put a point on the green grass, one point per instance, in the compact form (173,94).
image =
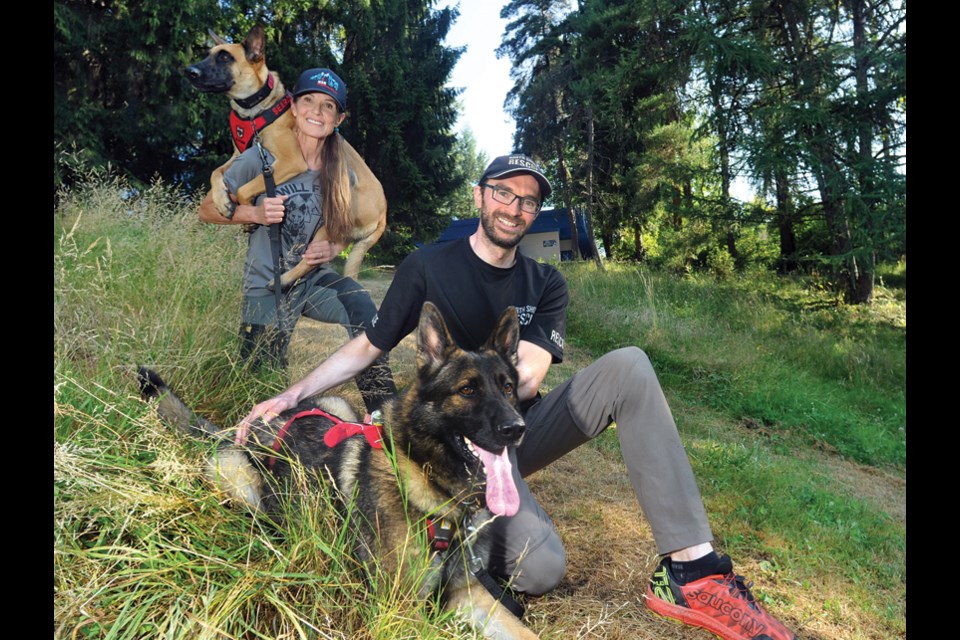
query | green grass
(765,350)
(765,376)
(142,547)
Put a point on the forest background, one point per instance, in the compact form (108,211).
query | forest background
(643,112)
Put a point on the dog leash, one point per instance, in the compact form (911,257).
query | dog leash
(274,229)
(475,564)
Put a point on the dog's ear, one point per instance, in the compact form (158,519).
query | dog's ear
(217,40)
(433,339)
(505,339)
(253,44)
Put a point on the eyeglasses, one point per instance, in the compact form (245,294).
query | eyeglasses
(505,196)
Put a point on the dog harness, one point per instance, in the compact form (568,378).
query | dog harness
(244,130)
(340,431)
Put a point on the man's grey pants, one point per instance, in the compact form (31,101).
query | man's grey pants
(620,387)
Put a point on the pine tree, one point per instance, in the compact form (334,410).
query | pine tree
(119,96)
(403,113)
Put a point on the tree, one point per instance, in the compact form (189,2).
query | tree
(403,113)
(118,93)
(844,76)
(632,62)
(470,163)
(119,97)
(539,49)
(725,59)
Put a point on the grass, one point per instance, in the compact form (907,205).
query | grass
(764,350)
(791,406)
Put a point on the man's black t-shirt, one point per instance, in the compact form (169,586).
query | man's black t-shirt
(471,295)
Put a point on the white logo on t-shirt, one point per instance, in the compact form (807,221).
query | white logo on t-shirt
(525,314)
(556,338)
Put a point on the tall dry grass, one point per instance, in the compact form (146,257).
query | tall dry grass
(142,547)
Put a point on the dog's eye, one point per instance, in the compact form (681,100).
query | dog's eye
(467,390)
(508,388)
(224,58)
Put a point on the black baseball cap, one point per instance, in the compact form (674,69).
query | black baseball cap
(516,163)
(322,81)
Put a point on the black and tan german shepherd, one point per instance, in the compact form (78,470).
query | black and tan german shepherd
(260,102)
(445,437)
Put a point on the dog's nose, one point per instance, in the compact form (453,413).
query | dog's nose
(512,431)
(192,72)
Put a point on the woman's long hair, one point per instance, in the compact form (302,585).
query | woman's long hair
(335,190)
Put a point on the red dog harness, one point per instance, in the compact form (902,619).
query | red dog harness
(340,431)
(439,532)
(244,130)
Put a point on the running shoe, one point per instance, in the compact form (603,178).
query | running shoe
(720,603)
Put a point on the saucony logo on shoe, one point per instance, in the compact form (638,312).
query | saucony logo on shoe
(732,610)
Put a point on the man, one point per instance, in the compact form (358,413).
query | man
(472,280)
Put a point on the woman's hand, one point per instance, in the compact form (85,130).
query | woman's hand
(321,252)
(271,210)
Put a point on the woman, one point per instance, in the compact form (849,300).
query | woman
(319,107)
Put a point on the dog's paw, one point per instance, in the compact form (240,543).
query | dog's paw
(223,203)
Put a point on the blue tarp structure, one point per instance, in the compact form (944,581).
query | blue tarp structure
(548,220)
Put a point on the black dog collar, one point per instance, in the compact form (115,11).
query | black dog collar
(259,96)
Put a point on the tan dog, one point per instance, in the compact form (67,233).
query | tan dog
(260,103)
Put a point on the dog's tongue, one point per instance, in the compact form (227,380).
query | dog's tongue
(502,496)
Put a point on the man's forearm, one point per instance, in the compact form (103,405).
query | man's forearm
(345,364)
(534,362)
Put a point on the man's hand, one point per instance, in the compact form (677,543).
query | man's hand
(266,411)
(346,363)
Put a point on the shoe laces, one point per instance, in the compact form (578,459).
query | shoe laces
(740,588)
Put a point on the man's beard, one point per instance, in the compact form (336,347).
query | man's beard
(488,222)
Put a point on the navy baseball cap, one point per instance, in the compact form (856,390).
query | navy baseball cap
(322,81)
(516,163)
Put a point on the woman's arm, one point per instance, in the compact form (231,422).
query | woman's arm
(269,211)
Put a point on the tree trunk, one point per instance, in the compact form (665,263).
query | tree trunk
(788,241)
(564,176)
(725,174)
(831,188)
(675,202)
(638,251)
(866,202)
(567,200)
(589,185)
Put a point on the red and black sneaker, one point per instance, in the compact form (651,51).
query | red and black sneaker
(720,603)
